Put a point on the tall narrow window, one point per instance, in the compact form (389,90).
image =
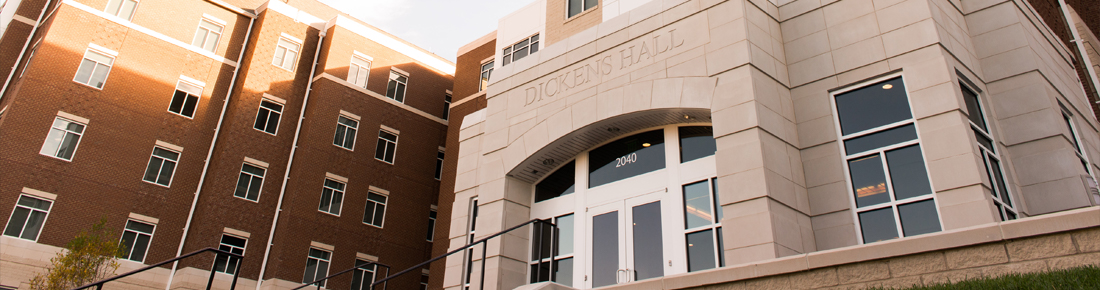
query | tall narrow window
(94,68)
(1002,198)
(63,139)
(431,224)
(122,8)
(703,225)
(363,275)
(439,165)
(28,217)
(486,72)
(332,197)
(186,99)
(232,244)
(471,232)
(317,266)
(387,145)
(446,107)
(358,71)
(424,281)
(267,117)
(521,49)
(885,164)
(162,164)
(135,240)
(345,132)
(396,88)
(552,252)
(578,6)
(208,34)
(375,213)
(249,182)
(1076,139)
(286,53)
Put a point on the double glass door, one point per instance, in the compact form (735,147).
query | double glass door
(626,240)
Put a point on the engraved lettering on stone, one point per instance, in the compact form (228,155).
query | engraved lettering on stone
(628,59)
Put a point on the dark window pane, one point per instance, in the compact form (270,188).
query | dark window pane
(142,244)
(391,148)
(721,250)
(166,173)
(1002,190)
(1072,137)
(151,171)
(907,172)
(368,213)
(717,202)
(1011,216)
(540,272)
(697,207)
(326,196)
(919,218)
(868,181)
(339,139)
(626,157)
(272,123)
(337,199)
(696,142)
(233,241)
(242,185)
(380,149)
(873,106)
(34,224)
(605,249)
(177,102)
(973,108)
(261,119)
(878,225)
(311,270)
(376,197)
(127,243)
(189,106)
(880,139)
(985,142)
(15,224)
(565,235)
(379,214)
(563,271)
(590,3)
(140,227)
(648,246)
(391,89)
(700,250)
(561,182)
(541,242)
(575,7)
(400,97)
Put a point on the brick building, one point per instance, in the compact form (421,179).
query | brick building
(303,138)
(773,144)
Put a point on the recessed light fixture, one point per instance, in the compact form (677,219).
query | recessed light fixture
(534,172)
(613,129)
(548,162)
(687,117)
(887,86)
(646,145)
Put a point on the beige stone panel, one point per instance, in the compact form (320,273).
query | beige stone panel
(559,124)
(1031,126)
(1040,247)
(549,109)
(951,276)
(806,47)
(777,125)
(964,195)
(762,60)
(976,256)
(858,54)
(798,173)
(491,191)
(936,100)
(803,25)
(1075,261)
(743,147)
(846,10)
(787,231)
(1022,100)
(1015,268)
(637,97)
(755,229)
(1010,63)
(902,14)
(968,214)
(796,8)
(609,104)
(992,18)
(863,73)
(698,92)
(732,210)
(735,119)
(733,88)
(696,67)
(642,73)
(837,236)
(828,198)
(1055,164)
(725,12)
(584,113)
(910,37)
(743,186)
(999,41)
(466,180)
(812,69)
(863,272)
(766,91)
(917,264)
(816,278)
(736,256)
(852,31)
(509,245)
(666,92)
(916,57)
(758,34)
(824,170)
(1087,241)
(946,141)
(517,129)
(496,121)
(535,139)
(954,172)
(1054,222)
(775,156)
(1053,196)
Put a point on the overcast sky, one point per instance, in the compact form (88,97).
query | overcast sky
(439,26)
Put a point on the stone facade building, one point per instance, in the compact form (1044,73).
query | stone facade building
(305,139)
(773,144)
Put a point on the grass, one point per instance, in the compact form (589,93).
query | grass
(1077,278)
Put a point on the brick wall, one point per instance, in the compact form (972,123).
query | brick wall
(559,28)
(1052,14)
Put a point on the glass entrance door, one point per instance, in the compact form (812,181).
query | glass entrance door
(626,240)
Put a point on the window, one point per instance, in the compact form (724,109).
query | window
(375,213)
(431,224)
(552,252)
(232,244)
(446,107)
(696,142)
(358,71)
(122,8)
(424,281)
(439,164)
(267,117)
(162,164)
(520,50)
(249,182)
(30,57)
(207,35)
(332,197)
(470,234)
(998,186)
(286,53)
(387,145)
(396,88)
(363,275)
(561,182)
(703,225)
(890,189)
(486,72)
(627,157)
(28,217)
(345,132)
(135,240)
(186,99)
(63,139)
(578,6)
(316,266)
(1074,137)
(94,69)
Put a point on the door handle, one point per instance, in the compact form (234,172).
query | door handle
(619,278)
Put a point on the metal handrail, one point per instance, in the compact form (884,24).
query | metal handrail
(99,285)
(483,242)
(318,281)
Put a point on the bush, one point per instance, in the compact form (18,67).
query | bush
(88,257)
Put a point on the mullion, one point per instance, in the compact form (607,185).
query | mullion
(867,153)
(878,129)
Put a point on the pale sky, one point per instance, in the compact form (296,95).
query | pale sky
(439,26)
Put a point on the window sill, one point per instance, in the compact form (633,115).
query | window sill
(157,184)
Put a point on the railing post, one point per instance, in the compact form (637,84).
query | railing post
(237,273)
(484,246)
(210,281)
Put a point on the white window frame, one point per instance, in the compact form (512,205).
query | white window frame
(396,137)
(366,283)
(357,71)
(95,49)
(715,227)
(583,10)
(893,203)
(531,47)
(191,88)
(328,265)
(375,203)
(65,134)
(259,191)
(439,158)
(486,73)
(433,215)
(1079,146)
(23,228)
(395,81)
(130,248)
(347,128)
(447,107)
(270,111)
(1006,211)
(553,256)
(471,234)
(120,5)
(231,247)
(175,163)
(212,22)
(287,64)
(335,191)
